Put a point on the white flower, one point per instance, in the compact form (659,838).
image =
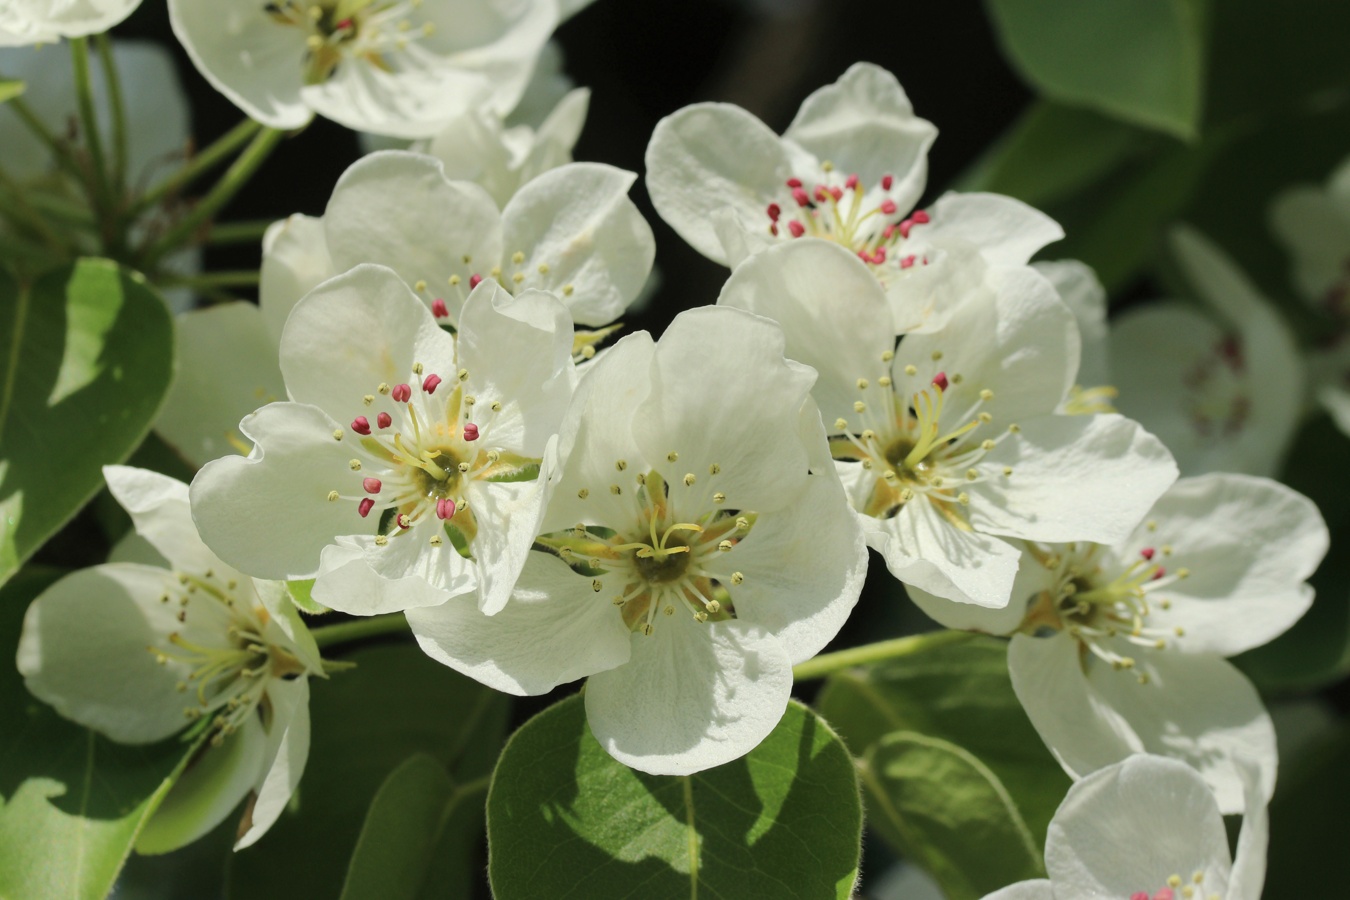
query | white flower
(1083,294)
(848,169)
(1223,391)
(402,472)
(700,546)
(1148,829)
(45,21)
(1314,225)
(396,67)
(947,445)
(1121,648)
(138,653)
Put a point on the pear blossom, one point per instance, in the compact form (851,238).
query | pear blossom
(696,546)
(1148,828)
(402,471)
(849,169)
(396,67)
(140,652)
(1223,388)
(1120,648)
(1081,291)
(46,21)
(1313,223)
(948,445)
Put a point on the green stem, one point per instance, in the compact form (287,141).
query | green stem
(14,203)
(84,95)
(200,163)
(238,232)
(119,115)
(235,177)
(829,663)
(359,629)
(58,148)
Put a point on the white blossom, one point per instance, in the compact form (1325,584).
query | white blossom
(1120,649)
(1148,829)
(46,21)
(401,472)
(396,67)
(139,652)
(948,444)
(699,545)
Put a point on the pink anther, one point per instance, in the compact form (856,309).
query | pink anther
(837,193)
(429,383)
(438,308)
(851,182)
(383,420)
(821,193)
(365,506)
(401,393)
(475,281)
(886,182)
(799,195)
(794,182)
(371,485)
(470,432)
(1139,895)
(797,228)
(888,207)
(1165,894)
(907,262)
(887,232)
(920,217)
(344,25)
(1160,573)
(940,381)
(775,211)
(361,425)
(879,256)
(904,228)
(773,230)
(445,508)
(1147,553)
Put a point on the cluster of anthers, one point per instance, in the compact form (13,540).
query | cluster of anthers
(420,453)
(1096,607)
(1178,887)
(361,29)
(900,438)
(657,562)
(1218,398)
(510,281)
(869,223)
(229,659)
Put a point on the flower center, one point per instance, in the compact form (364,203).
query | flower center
(515,275)
(656,561)
(914,444)
(420,455)
(222,644)
(1217,395)
(349,29)
(1177,887)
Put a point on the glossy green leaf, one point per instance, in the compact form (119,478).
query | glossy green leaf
(9,89)
(960,693)
(419,836)
(86,356)
(1138,60)
(567,820)
(71,802)
(950,814)
(301,595)
(365,723)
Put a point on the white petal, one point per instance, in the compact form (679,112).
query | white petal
(246,56)
(285,628)
(413,101)
(227,368)
(84,650)
(509,517)
(1073,478)
(713,156)
(1032,578)
(159,510)
(1038,889)
(693,696)
(75,18)
(287,752)
(922,548)
(295,262)
(1315,228)
(1007,231)
(361,578)
(354,332)
(1078,287)
(576,226)
(1248,544)
(210,788)
(1129,828)
(555,629)
(399,210)
(1249,863)
(864,125)
(834,315)
(268,514)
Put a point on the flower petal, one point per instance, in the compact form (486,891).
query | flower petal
(295,262)
(284,761)
(1315,228)
(922,548)
(1083,294)
(692,696)
(158,506)
(1037,889)
(1007,231)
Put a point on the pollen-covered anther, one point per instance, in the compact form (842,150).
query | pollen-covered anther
(689,479)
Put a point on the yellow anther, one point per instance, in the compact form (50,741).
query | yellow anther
(1007,470)
(583,493)
(618,600)
(615,489)
(985,418)
(354,465)
(714,607)
(689,479)
(867,463)
(417,368)
(467,259)
(518,277)
(368,399)
(937,355)
(470,399)
(1151,524)
(463,467)
(1014,428)
(384,388)
(987,444)
(887,355)
(840,425)
(381,540)
(737,578)
(337,434)
(911,370)
(986,395)
(719,497)
(669,611)
(332,495)
(420,286)
(648,629)
(496,406)
(859,406)
(862,384)
(567,290)
(463,374)
(972,474)
(314,42)
(621,464)
(496,272)
(884,381)
(542,268)
(724,546)
(742,523)
(597,585)
(672,456)
(454,280)
(714,469)
(1166,549)
(1174,881)
(641,478)
(963,498)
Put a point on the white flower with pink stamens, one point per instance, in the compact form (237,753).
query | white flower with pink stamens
(1148,829)
(1120,649)
(404,470)
(948,444)
(141,652)
(699,545)
(849,170)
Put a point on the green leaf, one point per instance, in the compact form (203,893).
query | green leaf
(301,595)
(419,836)
(959,693)
(565,819)
(72,803)
(10,89)
(86,356)
(1138,60)
(1307,824)
(365,723)
(950,813)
